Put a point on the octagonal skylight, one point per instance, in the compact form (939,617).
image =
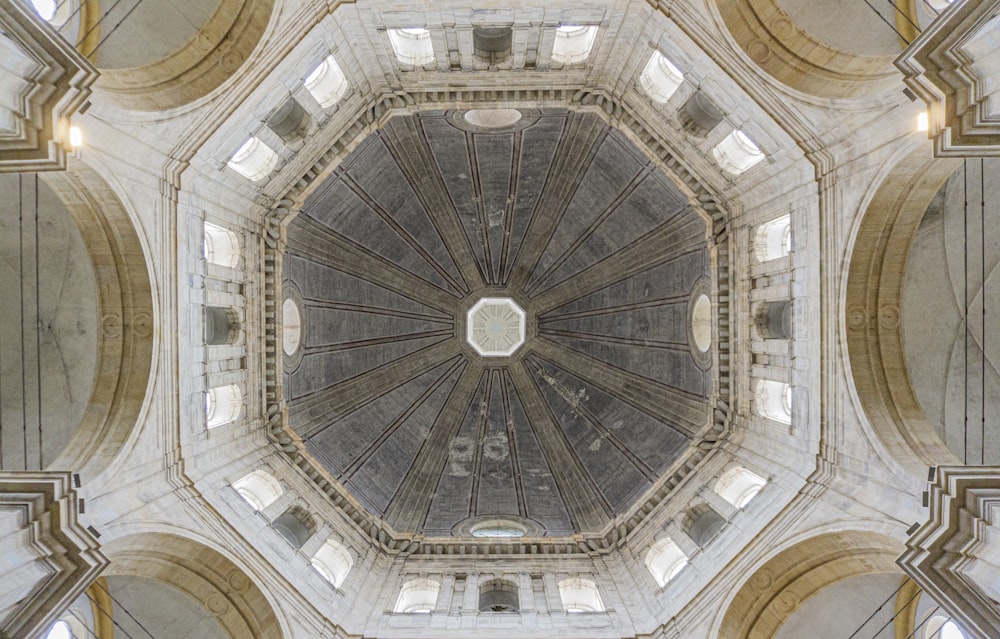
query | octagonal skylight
(495,327)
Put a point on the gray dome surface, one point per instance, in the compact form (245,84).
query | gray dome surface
(560,213)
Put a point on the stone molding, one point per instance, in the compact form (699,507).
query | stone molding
(780,586)
(199,67)
(964,502)
(52,80)
(940,69)
(772,39)
(57,547)
(874,293)
(204,574)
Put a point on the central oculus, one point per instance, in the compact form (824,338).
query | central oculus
(494,326)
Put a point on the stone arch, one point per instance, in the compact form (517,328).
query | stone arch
(217,49)
(874,293)
(125,337)
(790,54)
(200,572)
(776,589)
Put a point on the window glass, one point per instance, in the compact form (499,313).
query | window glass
(412,45)
(660,78)
(737,153)
(573,43)
(254,160)
(327,83)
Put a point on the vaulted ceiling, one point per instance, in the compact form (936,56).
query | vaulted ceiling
(558,212)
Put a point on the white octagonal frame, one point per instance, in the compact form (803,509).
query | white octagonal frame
(505,310)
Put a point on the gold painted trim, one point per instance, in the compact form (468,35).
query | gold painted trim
(90,18)
(102,609)
(905,613)
(906,17)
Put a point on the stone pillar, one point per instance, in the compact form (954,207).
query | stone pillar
(446,592)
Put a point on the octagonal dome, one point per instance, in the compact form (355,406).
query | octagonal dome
(432,216)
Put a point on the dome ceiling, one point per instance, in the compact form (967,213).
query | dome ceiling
(556,212)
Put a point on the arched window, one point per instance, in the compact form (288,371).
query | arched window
(291,326)
(47,10)
(412,46)
(55,12)
(738,486)
(327,83)
(223,405)
(220,246)
(259,489)
(941,627)
(254,160)
(573,43)
(418,595)
(774,319)
(774,401)
(498,595)
(737,153)
(702,524)
(660,78)
(222,325)
(664,560)
(580,595)
(296,525)
(60,629)
(774,239)
(333,561)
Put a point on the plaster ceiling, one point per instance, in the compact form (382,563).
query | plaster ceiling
(566,217)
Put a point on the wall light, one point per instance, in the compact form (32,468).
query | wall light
(922,121)
(75,137)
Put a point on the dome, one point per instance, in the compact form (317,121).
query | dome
(567,252)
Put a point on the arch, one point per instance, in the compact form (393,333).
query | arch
(737,153)
(580,595)
(777,588)
(774,319)
(200,572)
(418,596)
(660,78)
(699,115)
(254,160)
(259,489)
(223,404)
(573,43)
(222,325)
(772,39)
(220,246)
(198,67)
(498,595)
(665,560)
(125,306)
(739,486)
(327,83)
(412,46)
(773,400)
(702,524)
(296,525)
(333,561)
(773,239)
(873,298)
